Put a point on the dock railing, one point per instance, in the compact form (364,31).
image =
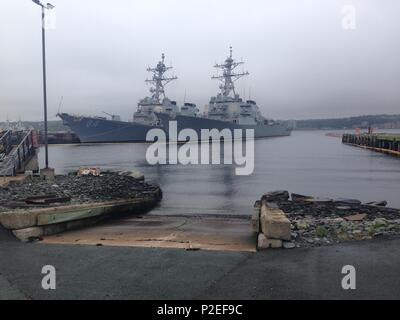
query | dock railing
(5,143)
(15,162)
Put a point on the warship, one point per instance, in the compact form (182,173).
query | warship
(226,110)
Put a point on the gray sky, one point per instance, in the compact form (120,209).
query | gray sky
(302,63)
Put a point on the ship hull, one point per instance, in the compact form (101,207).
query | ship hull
(98,130)
(199,123)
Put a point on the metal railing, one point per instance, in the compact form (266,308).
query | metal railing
(5,142)
(15,162)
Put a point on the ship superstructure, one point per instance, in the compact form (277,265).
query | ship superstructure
(227,105)
(226,110)
(157,102)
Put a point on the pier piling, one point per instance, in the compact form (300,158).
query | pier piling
(380,142)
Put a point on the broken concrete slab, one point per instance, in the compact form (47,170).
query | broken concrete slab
(266,243)
(28,234)
(275,224)
(275,196)
(347,202)
(378,203)
(300,198)
(318,200)
(356,217)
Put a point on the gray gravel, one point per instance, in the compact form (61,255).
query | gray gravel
(84,189)
(320,222)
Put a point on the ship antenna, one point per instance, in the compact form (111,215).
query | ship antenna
(59,105)
(229,77)
(158,80)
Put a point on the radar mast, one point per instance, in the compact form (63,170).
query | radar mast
(229,77)
(158,80)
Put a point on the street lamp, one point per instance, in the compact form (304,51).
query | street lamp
(48,7)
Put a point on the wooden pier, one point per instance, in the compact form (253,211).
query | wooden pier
(380,142)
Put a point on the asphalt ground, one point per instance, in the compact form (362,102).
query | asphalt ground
(113,272)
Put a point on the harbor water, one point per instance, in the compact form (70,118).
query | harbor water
(308,162)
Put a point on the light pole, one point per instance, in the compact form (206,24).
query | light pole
(48,7)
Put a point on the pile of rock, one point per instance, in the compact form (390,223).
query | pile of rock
(38,207)
(80,189)
(317,222)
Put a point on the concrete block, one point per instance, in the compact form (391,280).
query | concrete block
(255,220)
(266,243)
(27,234)
(275,224)
(47,174)
(18,219)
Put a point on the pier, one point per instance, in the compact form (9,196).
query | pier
(59,137)
(380,142)
(18,152)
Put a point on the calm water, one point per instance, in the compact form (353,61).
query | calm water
(306,163)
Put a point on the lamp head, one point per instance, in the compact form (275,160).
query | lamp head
(48,6)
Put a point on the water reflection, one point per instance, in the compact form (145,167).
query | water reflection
(306,162)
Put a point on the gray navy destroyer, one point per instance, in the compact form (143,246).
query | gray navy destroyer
(227,110)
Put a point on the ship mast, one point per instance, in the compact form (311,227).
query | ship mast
(158,80)
(229,77)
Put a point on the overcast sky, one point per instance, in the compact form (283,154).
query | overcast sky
(302,63)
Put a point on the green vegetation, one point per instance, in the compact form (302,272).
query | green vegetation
(372,230)
(321,232)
